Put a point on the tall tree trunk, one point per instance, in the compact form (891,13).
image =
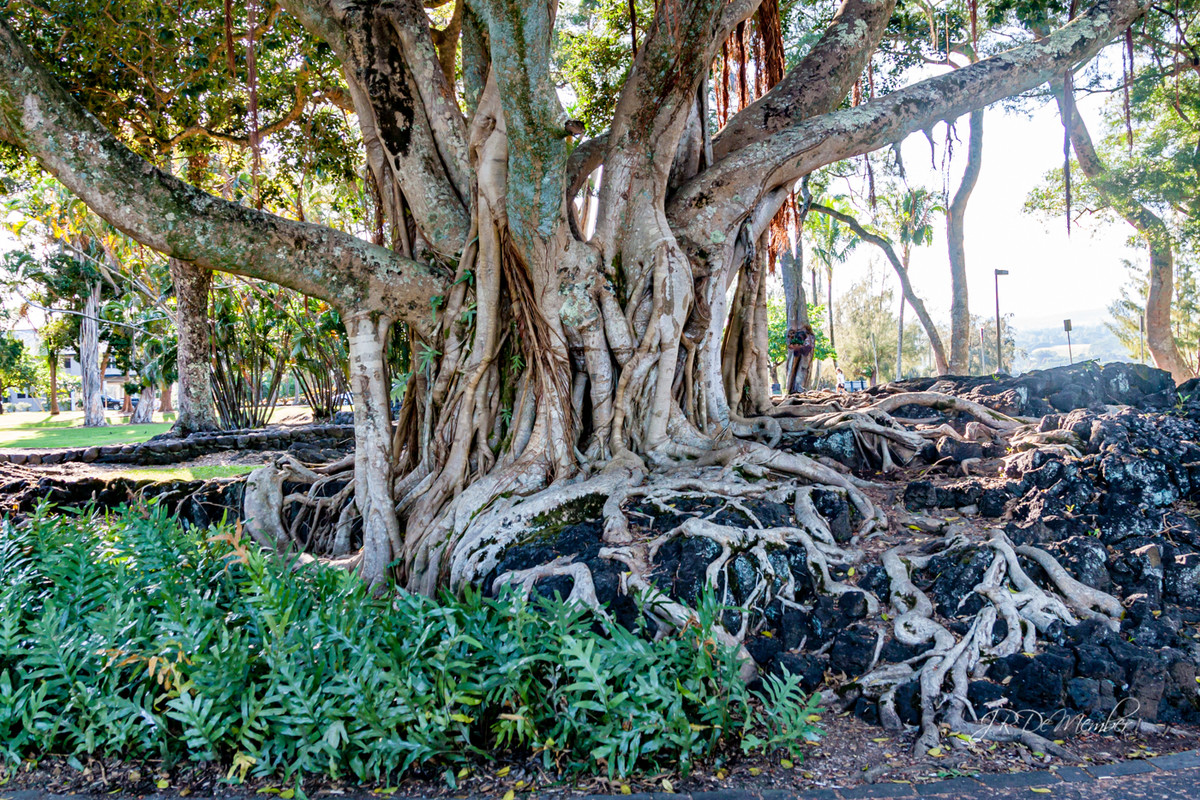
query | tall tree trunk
(373,456)
(906,287)
(1160,337)
(960,313)
(197,411)
(792,271)
(829,308)
(165,405)
(53,365)
(89,361)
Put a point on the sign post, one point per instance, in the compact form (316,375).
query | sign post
(999,357)
(1067,328)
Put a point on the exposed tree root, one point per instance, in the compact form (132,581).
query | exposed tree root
(690,472)
(950,663)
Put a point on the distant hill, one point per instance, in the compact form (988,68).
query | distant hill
(1047,347)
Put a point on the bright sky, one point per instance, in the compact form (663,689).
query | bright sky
(1051,276)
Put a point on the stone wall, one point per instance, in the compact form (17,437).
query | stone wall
(323,439)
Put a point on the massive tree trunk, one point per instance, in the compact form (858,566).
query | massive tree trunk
(196,409)
(1160,336)
(906,287)
(548,369)
(89,361)
(960,312)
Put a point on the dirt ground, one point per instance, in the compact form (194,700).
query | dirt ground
(851,753)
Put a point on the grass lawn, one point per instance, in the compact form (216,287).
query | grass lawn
(38,429)
(186,473)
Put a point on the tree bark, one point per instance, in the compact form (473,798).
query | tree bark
(960,312)
(1160,337)
(197,411)
(89,360)
(906,288)
(792,272)
(53,365)
(143,412)
(165,403)
(373,457)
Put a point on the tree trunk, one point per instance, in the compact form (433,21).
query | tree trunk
(89,361)
(960,313)
(373,457)
(196,409)
(792,272)
(143,412)
(1160,337)
(53,365)
(165,404)
(127,398)
(829,308)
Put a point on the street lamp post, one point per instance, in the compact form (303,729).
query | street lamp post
(999,356)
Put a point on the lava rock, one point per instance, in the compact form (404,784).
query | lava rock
(809,668)
(853,650)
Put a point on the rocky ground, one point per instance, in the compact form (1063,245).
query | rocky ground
(1107,489)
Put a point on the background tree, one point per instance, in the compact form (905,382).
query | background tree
(18,368)
(868,320)
(778,319)
(58,334)
(1127,312)
(831,241)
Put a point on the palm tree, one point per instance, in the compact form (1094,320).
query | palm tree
(909,213)
(832,242)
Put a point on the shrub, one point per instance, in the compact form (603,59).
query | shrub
(128,636)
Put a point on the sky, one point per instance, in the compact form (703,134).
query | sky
(1052,276)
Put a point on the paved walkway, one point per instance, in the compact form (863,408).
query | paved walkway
(1173,777)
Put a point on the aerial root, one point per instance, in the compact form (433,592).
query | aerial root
(328,517)
(583,588)
(883,439)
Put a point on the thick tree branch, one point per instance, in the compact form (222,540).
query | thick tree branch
(520,35)
(910,294)
(819,82)
(717,198)
(172,217)
(413,131)
(960,313)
